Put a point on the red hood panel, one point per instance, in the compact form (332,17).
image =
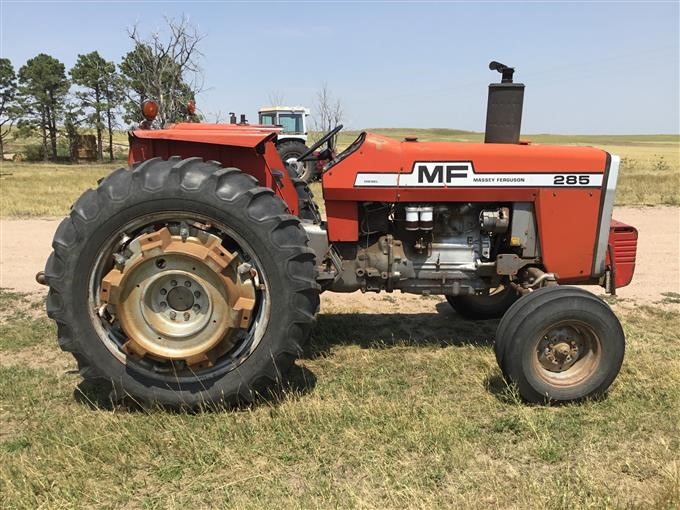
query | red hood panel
(486,157)
(220,134)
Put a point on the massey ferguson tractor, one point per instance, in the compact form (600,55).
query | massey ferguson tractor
(193,277)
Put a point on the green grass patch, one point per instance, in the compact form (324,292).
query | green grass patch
(22,321)
(407,411)
(670,298)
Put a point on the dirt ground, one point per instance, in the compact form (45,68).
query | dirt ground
(25,246)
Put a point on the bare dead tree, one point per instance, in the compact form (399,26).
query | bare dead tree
(166,67)
(219,117)
(329,111)
(275,97)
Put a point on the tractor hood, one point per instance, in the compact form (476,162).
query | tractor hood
(238,135)
(375,153)
(374,164)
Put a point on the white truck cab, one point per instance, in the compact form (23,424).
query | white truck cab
(292,140)
(293,120)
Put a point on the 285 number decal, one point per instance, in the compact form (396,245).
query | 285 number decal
(571,180)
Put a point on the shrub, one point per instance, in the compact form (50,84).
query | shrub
(661,165)
(34,152)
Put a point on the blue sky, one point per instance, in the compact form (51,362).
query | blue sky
(589,67)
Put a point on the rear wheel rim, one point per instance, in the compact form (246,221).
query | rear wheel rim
(567,353)
(167,357)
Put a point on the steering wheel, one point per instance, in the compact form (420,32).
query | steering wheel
(325,138)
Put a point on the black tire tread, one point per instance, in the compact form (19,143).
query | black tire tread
(153,178)
(524,306)
(468,306)
(299,148)
(508,339)
(307,208)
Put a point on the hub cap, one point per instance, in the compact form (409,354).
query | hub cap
(180,298)
(567,353)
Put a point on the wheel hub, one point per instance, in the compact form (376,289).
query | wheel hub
(295,165)
(567,353)
(179,298)
(559,351)
(170,307)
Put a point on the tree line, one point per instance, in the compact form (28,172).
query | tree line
(41,98)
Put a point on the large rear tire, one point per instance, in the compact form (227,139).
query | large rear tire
(218,340)
(289,151)
(560,344)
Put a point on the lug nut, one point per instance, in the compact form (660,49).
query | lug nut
(197,294)
(164,305)
(187,316)
(197,308)
(184,232)
(173,283)
(173,315)
(163,292)
(187,283)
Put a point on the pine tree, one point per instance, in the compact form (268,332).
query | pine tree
(43,87)
(9,108)
(96,76)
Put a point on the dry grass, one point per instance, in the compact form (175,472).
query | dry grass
(408,411)
(46,189)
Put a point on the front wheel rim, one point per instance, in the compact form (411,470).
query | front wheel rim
(567,353)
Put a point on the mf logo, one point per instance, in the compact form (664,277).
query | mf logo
(441,173)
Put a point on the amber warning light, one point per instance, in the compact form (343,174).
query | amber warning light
(150,110)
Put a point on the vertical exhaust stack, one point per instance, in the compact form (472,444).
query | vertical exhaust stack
(504,109)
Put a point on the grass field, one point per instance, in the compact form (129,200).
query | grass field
(650,173)
(46,189)
(410,410)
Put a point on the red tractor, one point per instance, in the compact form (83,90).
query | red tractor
(193,277)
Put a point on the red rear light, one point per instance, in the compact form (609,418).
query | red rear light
(150,109)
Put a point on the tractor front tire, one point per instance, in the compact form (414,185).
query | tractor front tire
(560,344)
(225,280)
(290,151)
